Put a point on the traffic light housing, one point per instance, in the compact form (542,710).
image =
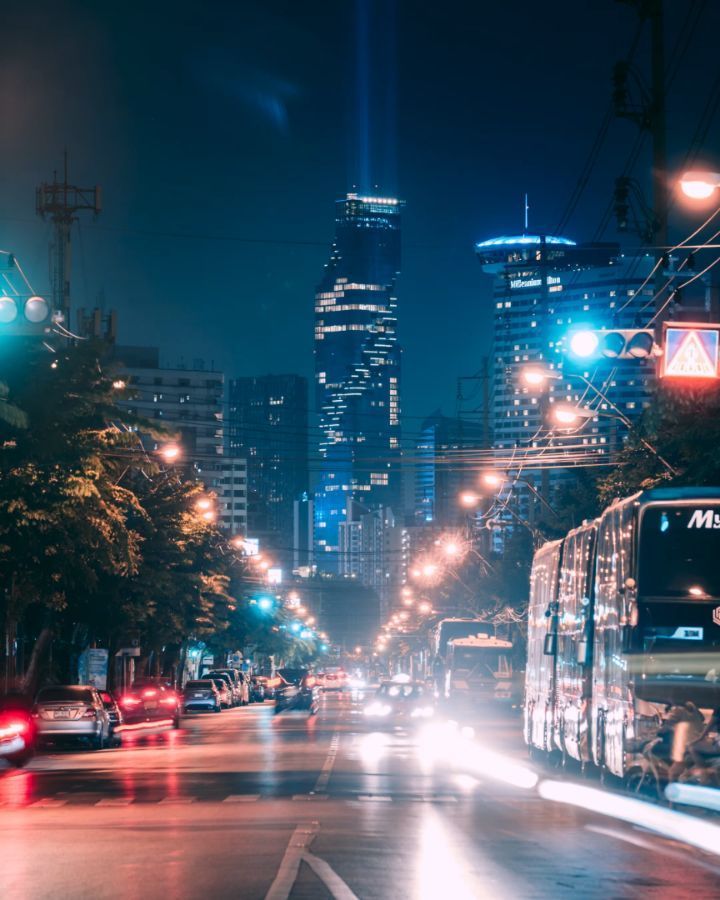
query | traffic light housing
(22,313)
(613,343)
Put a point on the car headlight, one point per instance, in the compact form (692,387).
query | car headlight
(378,709)
(422,712)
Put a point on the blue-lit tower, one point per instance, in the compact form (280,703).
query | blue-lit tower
(357,368)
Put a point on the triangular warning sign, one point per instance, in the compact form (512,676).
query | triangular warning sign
(691,359)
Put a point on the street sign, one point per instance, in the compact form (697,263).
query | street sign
(93,667)
(691,350)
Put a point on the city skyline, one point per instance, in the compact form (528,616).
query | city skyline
(238,189)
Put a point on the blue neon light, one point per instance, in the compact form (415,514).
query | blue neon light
(505,241)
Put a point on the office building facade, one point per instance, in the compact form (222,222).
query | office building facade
(545,288)
(357,368)
(268,426)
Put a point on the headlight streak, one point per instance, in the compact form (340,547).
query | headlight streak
(445,743)
(666,822)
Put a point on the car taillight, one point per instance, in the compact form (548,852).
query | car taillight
(170,700)
(129,701)
(89,713)
(13,728)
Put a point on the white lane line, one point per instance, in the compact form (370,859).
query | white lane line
(114,801)
(310,796)
(635,840)
(241,798)
(290,865)
(324,777)
(48,803)
(176,801)
(333,882)
(383,798)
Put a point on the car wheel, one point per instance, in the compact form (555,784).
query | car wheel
(18,760)
(98,742)
(218,709)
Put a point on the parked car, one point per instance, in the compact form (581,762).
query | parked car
(224,692)
(17,729)
(116,717)
(257,690)
(150,702)
(201,694)
(71,711)
(297,690)
(233,683)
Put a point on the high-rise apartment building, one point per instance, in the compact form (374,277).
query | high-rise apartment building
(446,463)
(357,368)
(189,404)
(545,287)
(268,426)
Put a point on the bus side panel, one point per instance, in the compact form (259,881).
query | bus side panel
(540,672)
(612,710)
(575,617)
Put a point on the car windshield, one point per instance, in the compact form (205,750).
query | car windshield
(70,694)
(679,552)
(292,676)
(199,685)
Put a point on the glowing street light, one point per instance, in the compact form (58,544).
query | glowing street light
(425,607)
(468,499)
(699,185)
(203,503)
(119,384)
(492,479)
(571,415)
(170,453)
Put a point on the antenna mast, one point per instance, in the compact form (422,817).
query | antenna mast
(61,202)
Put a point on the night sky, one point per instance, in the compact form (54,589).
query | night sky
(222,132)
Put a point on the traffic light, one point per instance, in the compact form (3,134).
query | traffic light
(22,314)
(613,343)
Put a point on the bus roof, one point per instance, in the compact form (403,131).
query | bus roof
(481,640)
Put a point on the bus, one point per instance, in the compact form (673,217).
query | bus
(478,669)
(623,626)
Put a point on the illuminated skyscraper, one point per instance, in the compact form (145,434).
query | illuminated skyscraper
(357,368)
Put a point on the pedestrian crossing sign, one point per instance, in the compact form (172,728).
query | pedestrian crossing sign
(691,351)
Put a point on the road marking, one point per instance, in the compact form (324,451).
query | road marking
(381,797)
(324,776)
(49,803)
(241,798)
(290,865)
(310,796)
(333,882)
(168,801)
(114,801)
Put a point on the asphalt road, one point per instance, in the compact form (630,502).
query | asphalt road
(252,805)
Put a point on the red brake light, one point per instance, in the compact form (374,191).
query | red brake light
(13,728)
(150,692)
(89,713)
(169,700)
(129,701)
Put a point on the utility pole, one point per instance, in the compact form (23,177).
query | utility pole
(61,202)
(649,115)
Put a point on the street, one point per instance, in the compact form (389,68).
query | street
(249,804)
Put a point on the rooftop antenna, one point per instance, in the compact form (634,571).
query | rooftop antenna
(527,210)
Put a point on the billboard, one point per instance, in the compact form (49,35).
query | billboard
(691,350)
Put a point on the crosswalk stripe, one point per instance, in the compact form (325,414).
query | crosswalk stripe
(114,801)
(241,798)
(49,803)
(169,801)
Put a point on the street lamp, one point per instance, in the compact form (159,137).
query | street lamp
(699,185)
(170,452)
(469,499)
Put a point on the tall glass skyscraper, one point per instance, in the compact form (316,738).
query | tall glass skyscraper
(545,287)
(357,368)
